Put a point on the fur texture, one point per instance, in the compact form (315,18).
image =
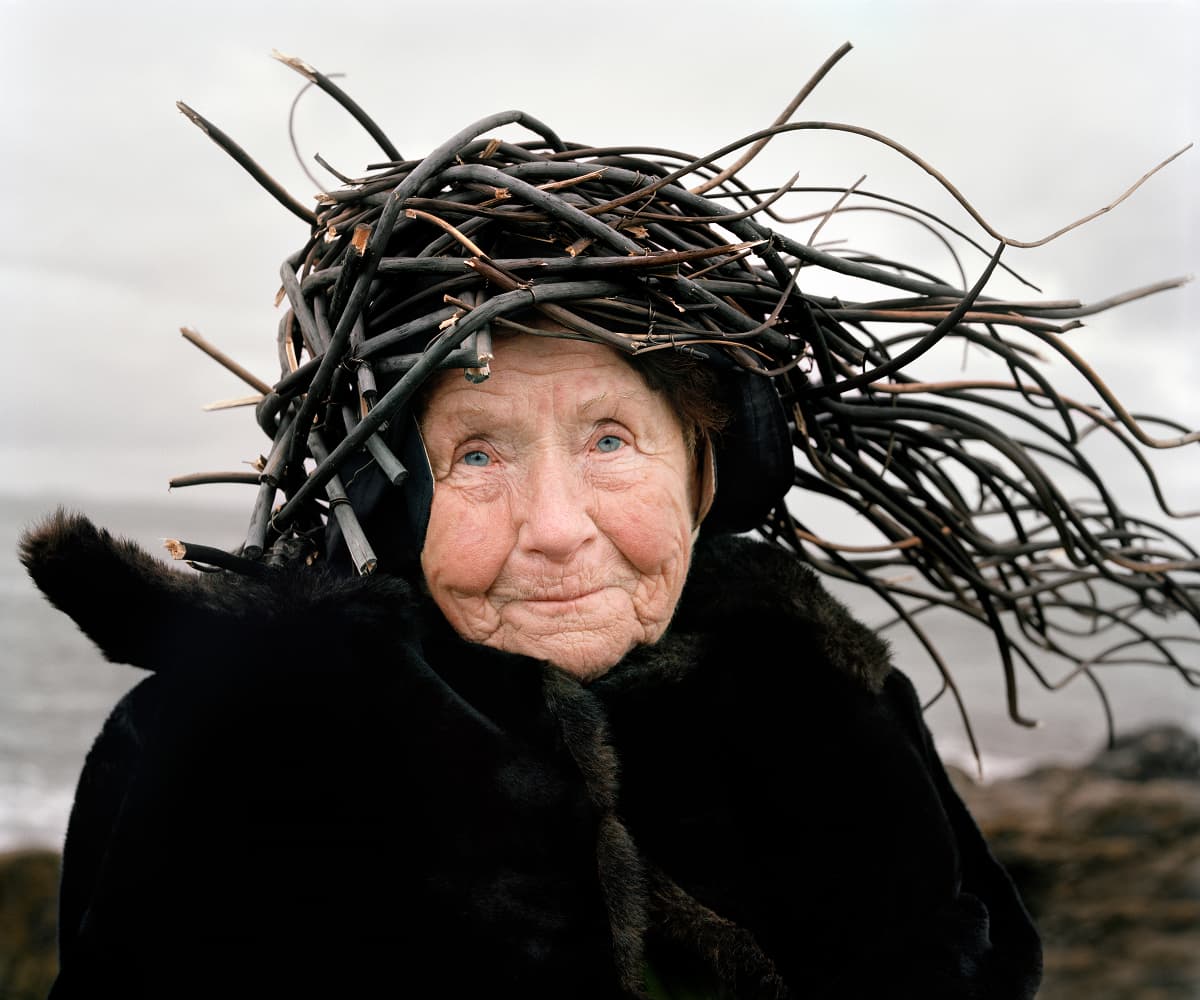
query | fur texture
(323,791)
(140,611)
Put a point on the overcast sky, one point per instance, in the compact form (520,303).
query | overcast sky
(126,223)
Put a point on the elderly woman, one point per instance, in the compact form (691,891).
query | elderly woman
(514,708)
(581,755)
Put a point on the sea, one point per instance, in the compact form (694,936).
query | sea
(56,689)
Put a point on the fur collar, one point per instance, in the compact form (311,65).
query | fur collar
(729,823)
(140,611)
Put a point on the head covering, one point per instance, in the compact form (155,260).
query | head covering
(973,495)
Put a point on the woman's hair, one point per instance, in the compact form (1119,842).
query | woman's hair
(977,494)
(692,390)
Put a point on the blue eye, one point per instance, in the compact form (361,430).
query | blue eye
(476,458)
(610,442)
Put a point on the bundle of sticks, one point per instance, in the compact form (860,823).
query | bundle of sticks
(411,267)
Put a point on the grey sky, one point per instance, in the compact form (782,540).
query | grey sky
(125,222)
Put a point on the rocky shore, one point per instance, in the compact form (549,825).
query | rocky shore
(28,904)
(1107,857)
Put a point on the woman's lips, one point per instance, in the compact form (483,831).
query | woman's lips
(553,601)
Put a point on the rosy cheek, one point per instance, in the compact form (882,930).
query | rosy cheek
(647,545)
(466,543)
(650,522)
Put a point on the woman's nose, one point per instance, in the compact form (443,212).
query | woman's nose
(556,515)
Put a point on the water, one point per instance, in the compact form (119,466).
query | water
(55,688)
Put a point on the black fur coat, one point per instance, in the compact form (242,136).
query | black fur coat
(320,790)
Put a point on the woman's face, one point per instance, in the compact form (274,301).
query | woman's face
(562,516)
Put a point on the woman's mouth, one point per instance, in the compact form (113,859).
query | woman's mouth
(561,600)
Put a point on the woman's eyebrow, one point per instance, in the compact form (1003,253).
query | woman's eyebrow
(586,404)
(466,408)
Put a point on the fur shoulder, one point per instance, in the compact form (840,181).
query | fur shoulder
(742,579)
(140,611)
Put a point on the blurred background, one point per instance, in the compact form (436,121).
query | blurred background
(127,223)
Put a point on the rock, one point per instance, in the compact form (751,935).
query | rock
(1107,857)
(1159,752)
(28,914)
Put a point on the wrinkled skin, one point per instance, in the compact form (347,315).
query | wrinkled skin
(563,506)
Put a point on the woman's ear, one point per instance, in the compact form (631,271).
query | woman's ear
(706,480)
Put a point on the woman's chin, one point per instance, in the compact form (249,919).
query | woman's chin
(582,654)
(585,637)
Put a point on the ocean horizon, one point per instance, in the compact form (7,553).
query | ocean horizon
(56,688)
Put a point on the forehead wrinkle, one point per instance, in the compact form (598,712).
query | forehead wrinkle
(463,406)
(627,394)
(472,406)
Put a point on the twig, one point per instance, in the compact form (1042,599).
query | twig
(208,478)
(325,82)
(213,557)
(242,158)
(231,404)
(784,116)
(225,360)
